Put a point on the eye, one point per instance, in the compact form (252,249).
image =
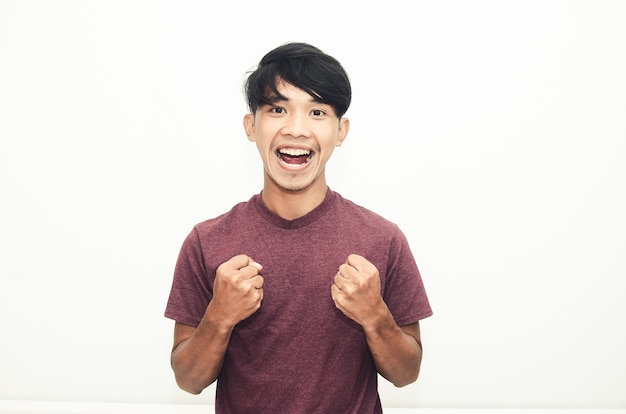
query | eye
(277,110)
(318,112)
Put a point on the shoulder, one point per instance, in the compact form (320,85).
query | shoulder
(358,215)
(221,229)
(240,211)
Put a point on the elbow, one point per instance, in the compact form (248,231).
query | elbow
(412,372)
(403,379)
(192,387)
(408,376)
(403,382)
(187,388)
(188,380)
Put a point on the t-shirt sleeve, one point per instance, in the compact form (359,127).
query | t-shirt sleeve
(191,288)
(404,290)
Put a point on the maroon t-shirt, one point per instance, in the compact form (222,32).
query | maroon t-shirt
(298,353)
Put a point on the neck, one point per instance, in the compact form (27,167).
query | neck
(291,205)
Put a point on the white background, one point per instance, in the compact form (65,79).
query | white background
(493,133)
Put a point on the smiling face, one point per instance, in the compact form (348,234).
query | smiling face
(295,137)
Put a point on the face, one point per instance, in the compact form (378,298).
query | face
(295,138)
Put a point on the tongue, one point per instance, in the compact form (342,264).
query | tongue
(293,159)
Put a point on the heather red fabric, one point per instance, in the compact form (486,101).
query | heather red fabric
(298,353)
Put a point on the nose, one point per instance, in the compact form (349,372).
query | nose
(297,126)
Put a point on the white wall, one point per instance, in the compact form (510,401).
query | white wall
(493,132)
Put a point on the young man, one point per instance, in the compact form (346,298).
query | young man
(295,300)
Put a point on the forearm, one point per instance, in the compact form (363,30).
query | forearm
(198,359)
(397,352)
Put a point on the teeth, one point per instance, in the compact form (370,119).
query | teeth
(294,152)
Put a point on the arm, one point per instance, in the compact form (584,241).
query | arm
(198,353)
(397,351)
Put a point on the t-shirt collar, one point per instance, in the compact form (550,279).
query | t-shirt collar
(303,221)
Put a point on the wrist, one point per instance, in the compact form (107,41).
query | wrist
(216,321)
(381,322)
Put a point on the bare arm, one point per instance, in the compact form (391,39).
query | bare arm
(198,353)
(397,351)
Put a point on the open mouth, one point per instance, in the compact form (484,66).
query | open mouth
(294,156)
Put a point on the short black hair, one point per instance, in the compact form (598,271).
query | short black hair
(305,67)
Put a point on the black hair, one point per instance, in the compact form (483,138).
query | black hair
(305,67)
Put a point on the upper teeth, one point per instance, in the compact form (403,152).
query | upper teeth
(294,152)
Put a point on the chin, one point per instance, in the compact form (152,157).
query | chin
(294,184)
(293,188)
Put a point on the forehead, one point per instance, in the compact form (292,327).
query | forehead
(292,92)
(289,92)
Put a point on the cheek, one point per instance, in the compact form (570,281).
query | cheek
(261,139)
(331,139)
(265,148)
(265,134)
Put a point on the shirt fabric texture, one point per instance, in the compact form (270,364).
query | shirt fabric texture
(298,353)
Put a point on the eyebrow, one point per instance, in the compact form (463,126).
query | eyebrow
(274,98)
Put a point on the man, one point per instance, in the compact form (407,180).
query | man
(294,300)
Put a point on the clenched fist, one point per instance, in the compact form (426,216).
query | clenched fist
(356,289)
(238,289)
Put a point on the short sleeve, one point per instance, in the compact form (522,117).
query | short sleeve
(191,289)
(404,292)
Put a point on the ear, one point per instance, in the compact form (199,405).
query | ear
(344,127)
(248,126)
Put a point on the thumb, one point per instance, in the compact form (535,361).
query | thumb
(252,262)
